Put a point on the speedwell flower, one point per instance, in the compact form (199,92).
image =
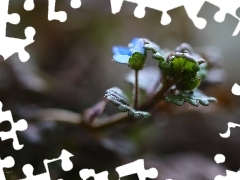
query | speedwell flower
(134,55)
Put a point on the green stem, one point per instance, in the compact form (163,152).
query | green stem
(135,91)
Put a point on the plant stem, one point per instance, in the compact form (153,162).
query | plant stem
(104,122)
(135,91)
(160,94)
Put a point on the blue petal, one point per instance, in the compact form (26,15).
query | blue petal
(121,58)
(120,50)
(133,42)
(139,46)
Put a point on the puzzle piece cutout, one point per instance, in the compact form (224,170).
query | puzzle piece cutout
(8,45)
(230,175)
(87,173)
(60,15)
(192,9)
(7,162)
(66,165)
(29,5)
(230,125)
(220,158)
(137,167)
(236,89)
(21,125)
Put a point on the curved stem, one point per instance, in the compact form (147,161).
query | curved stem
(103,122)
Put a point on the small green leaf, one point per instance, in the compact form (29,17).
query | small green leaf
(156,51)
(151,44)
(157,55)
(119,99)
(189,71)
(183,63)
(203,71)
(139,114)
(116,96)
(188,83)
(193,98)
(123,59)
(136,61)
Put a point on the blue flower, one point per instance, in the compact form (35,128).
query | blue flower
(122,54)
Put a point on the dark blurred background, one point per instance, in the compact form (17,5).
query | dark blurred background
(71,67)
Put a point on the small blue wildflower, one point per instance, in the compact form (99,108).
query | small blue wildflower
(123,54)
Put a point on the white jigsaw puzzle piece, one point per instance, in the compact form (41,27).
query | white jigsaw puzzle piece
(219,158)
(236,89)
(75,4)
(60,15)
(54,15)
(21,125)
(7,162)
(8,45)
(159,5)
(87,173)
(28,171)
(137,167)
(230,175)
(67,165)
(230,125)
(192,9)
(29,5)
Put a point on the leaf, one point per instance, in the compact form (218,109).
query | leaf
(188,83)
(184,67)
(136,61)
(203,71)
(157,55)
(123,59)
(156,51)
(148,79)
(152,44)
(139,114)
(119,99)
(116,96)
(193,98)
(183,63)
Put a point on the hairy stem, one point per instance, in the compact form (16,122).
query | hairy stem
(135,91)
